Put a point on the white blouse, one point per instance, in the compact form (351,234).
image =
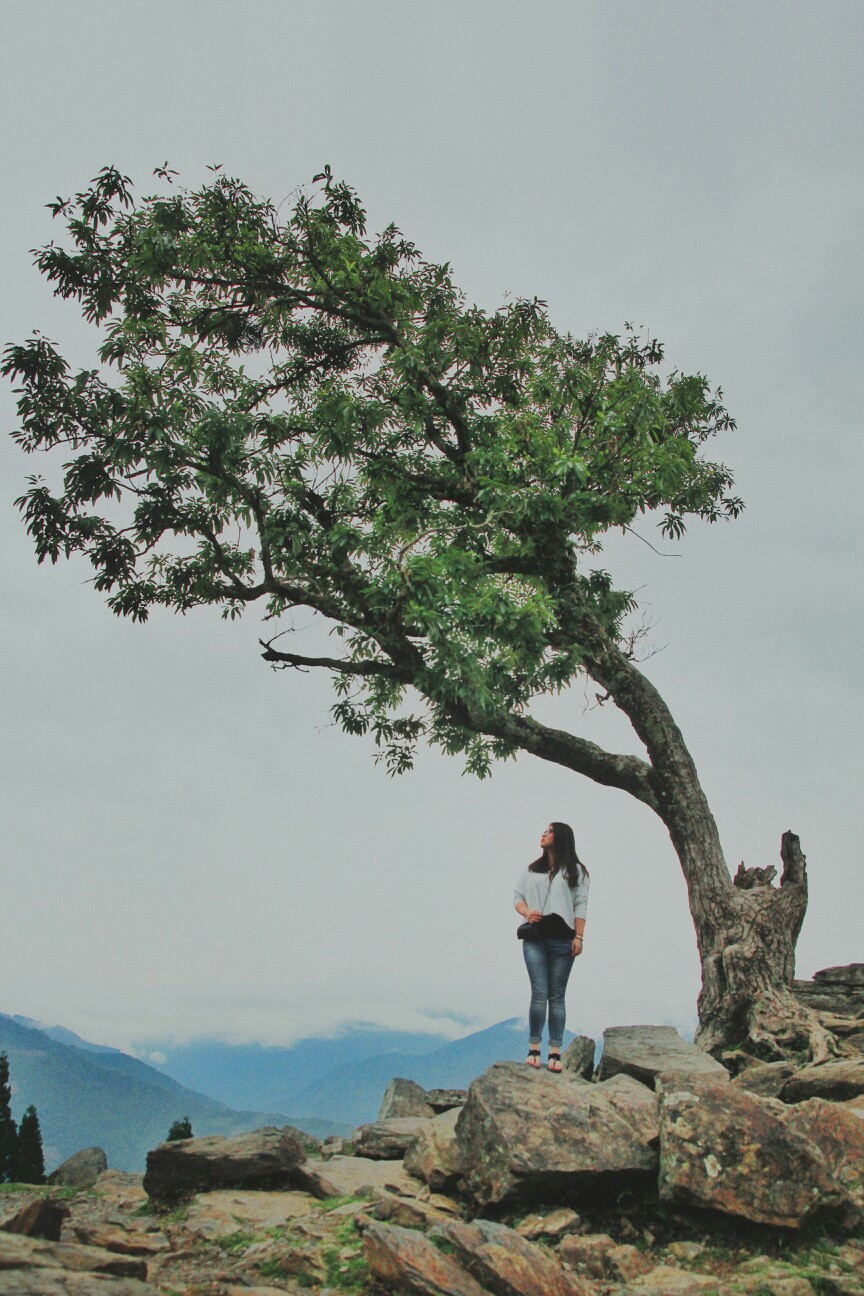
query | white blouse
(556,897)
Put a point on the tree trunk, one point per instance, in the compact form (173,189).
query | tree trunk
(747,950)
(746,930)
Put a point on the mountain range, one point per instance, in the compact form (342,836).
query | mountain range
(87,1095)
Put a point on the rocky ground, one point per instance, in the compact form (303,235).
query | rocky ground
(660,1175)
(392,1233)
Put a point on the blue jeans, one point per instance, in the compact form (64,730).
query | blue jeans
(548,963)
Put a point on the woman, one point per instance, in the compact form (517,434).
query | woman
(551,895)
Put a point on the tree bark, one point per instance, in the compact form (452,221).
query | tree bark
(746,930)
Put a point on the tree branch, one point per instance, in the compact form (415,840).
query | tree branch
(629,773)
(295,660)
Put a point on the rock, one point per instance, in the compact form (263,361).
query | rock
(587,1253)
(404,1098)
(646,1052)
(765,1078)
(387,1140)
(403,1258)
(80,1170)
(724,1149)
(41,1218)
(762,1276)
(443,1099)
(123,1191)
(433,1155)
(410,1212)
(528,1135)
(18,1252)
(855,1106)
(333,1146)
(837,1081)
(61,1282)
(784,1285)
(504,1261)
(637,1104)
(626,1262)
(578,1056)
(343,1176)
(664,1280)
(686,1251)
(265,1158)
(838,1135)
(836,990)
(223,1211)
(552,1227)
(122,1241)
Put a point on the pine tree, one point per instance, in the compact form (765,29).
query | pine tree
(8,1132)
(29,1164)
(181,1129)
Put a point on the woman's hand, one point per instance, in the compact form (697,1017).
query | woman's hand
(533,915)
(576,946)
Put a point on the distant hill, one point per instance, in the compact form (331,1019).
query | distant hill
(89,1095)
(268,1076)
(341,1079)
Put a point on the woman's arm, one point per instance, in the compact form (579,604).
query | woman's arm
(576,947)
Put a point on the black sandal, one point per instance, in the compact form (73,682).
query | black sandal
(533,1058)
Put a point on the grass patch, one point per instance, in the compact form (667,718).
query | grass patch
(236,1243)
(179,1215)
(348,1273)
(57,1191)
(272,1269)
(347,1199)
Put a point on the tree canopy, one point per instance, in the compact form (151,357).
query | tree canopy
(290,412)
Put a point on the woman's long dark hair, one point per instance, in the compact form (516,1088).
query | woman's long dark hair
(566,859)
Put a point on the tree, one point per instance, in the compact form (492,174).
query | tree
(180,1129)
(290,413)
(29,1165)
(8,1131)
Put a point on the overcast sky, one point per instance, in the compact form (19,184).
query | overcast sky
(189,846)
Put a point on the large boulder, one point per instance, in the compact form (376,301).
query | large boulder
(837,991)
(503,1261)
(646,1052)
(765,1078)
(264,1158)
(578,1056)
(526,1135)
(434,1154)
(350,1176)
(727,1150)
(837,1081)
(119,1239)
(81,1170)
(404,1259)
(404,1098)
(42,1218)
(387,1140)
(839,1136)
(31,1254)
